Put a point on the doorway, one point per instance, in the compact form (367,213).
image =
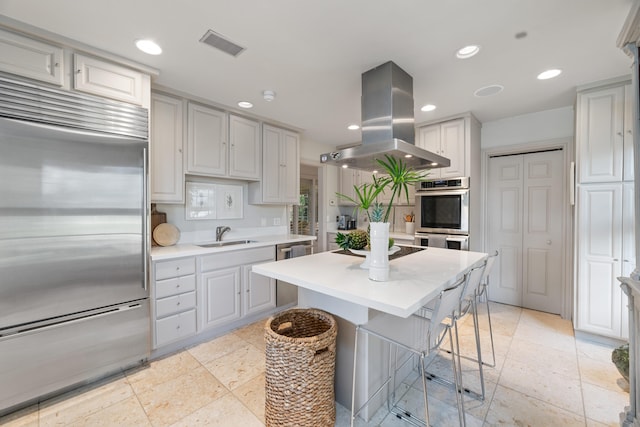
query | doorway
(526,224)
(304,217)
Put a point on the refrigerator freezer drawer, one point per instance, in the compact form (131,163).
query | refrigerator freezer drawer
(175,327)
(40,362)
(178,285)
(175,304)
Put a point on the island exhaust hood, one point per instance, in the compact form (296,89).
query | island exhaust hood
(388,126)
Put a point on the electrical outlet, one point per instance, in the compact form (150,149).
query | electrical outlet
(263,222)
(276,221)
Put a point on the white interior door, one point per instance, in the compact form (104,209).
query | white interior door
(525,193)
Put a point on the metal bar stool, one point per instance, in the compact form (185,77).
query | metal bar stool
(483,291)
(420,336)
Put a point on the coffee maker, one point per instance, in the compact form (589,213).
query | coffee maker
(344,222)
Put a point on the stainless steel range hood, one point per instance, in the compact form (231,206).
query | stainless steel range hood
(388,126)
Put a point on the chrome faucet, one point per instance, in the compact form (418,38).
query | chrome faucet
(220,231)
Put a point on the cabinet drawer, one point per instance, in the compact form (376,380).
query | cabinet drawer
(175,268)
(175,304)
(175,286)
(175,327)
(245,256)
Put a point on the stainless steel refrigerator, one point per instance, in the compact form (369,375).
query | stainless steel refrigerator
(73,239)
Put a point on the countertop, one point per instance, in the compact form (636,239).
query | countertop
(191,249)
(413,279)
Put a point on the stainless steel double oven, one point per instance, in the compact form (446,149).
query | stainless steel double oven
(443,213)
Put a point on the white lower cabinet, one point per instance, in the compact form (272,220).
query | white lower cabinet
(220,290)
(229,290)
(605,251)
(173,296)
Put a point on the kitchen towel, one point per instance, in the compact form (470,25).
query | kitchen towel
(298,250)
(437,241)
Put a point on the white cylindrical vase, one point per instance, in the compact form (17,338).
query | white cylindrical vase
(379,258)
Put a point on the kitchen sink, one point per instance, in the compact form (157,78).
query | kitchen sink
(229,243)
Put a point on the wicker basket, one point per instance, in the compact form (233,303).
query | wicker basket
(300,365)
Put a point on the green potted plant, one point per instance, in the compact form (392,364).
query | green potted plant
(398,178)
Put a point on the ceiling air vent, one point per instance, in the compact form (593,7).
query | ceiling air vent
(221,43)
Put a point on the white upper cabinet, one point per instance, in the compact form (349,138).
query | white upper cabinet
(244,148)
(206,141)
(280,168)
(98,77)
(167,177)
(604,137)
(31,58)
(448,140)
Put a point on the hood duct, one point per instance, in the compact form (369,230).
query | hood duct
(388,126)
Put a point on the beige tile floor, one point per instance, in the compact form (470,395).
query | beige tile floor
(543,377)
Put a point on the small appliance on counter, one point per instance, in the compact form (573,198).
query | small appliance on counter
(346,223)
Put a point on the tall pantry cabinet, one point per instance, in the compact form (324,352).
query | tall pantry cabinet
(604,235)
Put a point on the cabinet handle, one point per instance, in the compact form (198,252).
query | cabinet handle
(179,150)
(57,65)
(616,259)
(178,327)
(619,133)
(178,285)
(78,71)
(178,303)
(548,242)
(177,268)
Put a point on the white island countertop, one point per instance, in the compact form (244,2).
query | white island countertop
(414,279)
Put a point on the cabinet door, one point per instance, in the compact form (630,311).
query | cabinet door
(627,173)
(429,139)
(103,78)
(452,146)
(347,179)
(271,164)
(244,148)
(167,176)
(290,179)
(599,252)
(600,135)
(206,141)
(30,58)
(260,291)
(628,247)
(219,302)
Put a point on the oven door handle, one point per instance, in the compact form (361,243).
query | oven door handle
(442,193)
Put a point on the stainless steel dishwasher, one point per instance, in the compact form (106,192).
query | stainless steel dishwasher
(286,293)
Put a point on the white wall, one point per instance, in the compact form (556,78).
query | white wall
(253,215)
(540,126)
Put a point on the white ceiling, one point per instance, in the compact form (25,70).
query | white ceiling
(312,53)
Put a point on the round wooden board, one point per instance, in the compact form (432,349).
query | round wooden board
(166,234)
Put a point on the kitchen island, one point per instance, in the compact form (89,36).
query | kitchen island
(334,282)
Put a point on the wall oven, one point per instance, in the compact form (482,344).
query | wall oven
(443,213)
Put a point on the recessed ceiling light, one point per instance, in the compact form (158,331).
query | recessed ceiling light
(549,74)
(374,171)
(434,164)
(353,127)
(148,46)
(245,104)
(408,156)
(488,90)
(428,107)
(269,95)
(345,166)
(467,51)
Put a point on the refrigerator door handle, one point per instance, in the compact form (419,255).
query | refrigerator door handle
(145,222)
